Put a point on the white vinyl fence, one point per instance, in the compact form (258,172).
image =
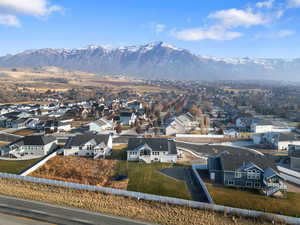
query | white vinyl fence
(290,178)
(157,198)
(199,136)
(38,164)
(289,171)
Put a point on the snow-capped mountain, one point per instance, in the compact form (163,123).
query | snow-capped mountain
(155,60)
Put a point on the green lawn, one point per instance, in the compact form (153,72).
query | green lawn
(119,152)
(147,178)
(247,200)
(15,166)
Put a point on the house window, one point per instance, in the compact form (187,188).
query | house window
(230,182)
(238,175)
(249,184)
(253,175)
(256,185)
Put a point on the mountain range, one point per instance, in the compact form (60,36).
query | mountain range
(156,61)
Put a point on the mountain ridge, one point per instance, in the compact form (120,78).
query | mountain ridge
(155,60)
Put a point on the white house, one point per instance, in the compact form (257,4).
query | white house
(244,123)
(175,126)
(181,124)
(127,118)
(100,125)
(294,154)
(262,126)
(280,141)
(34,145)
(152,150)
(89,145)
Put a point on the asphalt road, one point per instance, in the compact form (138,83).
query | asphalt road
(14,211)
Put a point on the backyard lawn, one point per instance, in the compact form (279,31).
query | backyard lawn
(15,166)
(247,200)
(118,152)
(147,178)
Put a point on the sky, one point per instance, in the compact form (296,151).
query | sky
(231,28)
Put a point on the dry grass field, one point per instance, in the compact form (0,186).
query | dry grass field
(24,132)
(3,143)
(80,170)
(147,211)
(56,79)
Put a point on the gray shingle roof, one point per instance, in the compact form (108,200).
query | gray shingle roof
(292,136)
(232,162)
(156,144)
(35,140)
(81,139)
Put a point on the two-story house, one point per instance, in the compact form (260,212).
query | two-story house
(89,145)
(294,155)
(100,125)
(127,118)
(152,150)
(246,170)
(276,140)
(34,145)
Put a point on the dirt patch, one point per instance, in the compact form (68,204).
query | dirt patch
(81,170)
(25,132)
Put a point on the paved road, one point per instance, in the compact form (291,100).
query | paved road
(6,219)
(54,214)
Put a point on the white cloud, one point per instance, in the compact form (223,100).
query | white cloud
(159,28)
(285,33)
(29,7)
(238,18)
(275,35)
(294,3)
(222,29)
(9,20)
(266,4)
(214,33)
(9,9)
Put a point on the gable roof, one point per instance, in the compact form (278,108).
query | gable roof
(236,161)
(126,114)
(269,172)
(34,140)
(292,136)
(82,139)
(156,144)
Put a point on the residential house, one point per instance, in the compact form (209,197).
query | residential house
(52,126)
(100,125)
(246,170)
(134,105)
(276,140)
(244,123)
(34,145)
(294,155)
(89,145)
(264,126)
(152,150)
(127,118)
(181,124)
